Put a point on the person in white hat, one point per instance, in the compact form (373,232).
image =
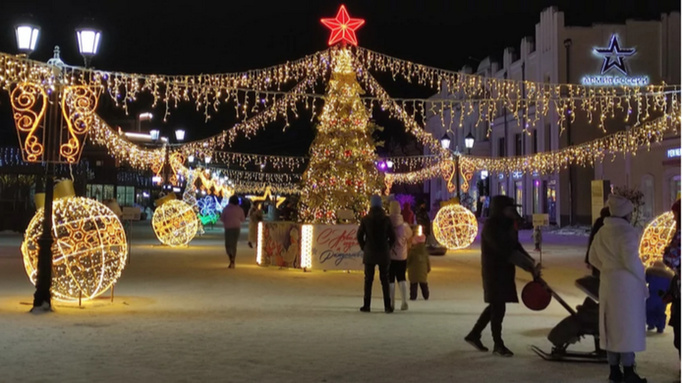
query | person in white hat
(622,290)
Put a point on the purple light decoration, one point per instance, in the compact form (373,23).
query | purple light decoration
(537,183)
(382,166)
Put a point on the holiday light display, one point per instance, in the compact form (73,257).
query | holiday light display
(209,210)
(343,27)
(341,173)
(455,226)
(89,250)
(175,223)
(656,237)
(266,197)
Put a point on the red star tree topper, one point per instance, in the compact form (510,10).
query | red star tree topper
(343,27)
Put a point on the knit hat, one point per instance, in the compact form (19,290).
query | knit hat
(619,206)
(394,208)
(375,201)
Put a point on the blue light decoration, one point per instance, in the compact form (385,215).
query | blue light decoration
(675,152)
(209,209)
(614,56)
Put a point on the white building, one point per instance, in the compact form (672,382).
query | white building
(567,54)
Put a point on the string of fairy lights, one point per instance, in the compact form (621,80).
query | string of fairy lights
(258,99)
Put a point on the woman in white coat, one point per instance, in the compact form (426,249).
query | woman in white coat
(622,291)
(398,266)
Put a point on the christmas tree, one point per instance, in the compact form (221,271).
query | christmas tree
(342,173)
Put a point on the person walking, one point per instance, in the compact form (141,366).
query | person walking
(255,216)
(376,238)
(408,214)
(232,218)
(501,252)
(671,258)
(537,238)
(398,266)
(418,265)
(622,291)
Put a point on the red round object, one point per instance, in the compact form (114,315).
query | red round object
(536,296)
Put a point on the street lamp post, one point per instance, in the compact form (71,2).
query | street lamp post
(468,143)
(27,38)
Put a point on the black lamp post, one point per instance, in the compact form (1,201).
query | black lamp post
(27,39)
(468,143)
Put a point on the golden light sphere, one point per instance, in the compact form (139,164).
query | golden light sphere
(455,227)
(175,223)
(656,237)
(89,250)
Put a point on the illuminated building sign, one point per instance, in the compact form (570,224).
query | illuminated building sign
(614,61)
(672,153)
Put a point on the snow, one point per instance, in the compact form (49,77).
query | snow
(180,315)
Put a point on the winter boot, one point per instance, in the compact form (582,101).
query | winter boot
(413,291)
(630,375)
(476,342)
(616,375)
(501,350)
(425,290)
(403,294)
(391,289)
(365,306)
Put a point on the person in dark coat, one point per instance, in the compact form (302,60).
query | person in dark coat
(501,252)
(598,223)
(423,219)
(671,258)
(376,238)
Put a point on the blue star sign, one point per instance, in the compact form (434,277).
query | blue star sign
(613,56)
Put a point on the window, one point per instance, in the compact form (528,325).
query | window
(551,200)
(125,195)
(501,188)
(500,147)
(518,143)
(548,137)
(535,140)
(536,197)
(519,197)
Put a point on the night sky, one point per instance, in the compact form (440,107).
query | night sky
(227,36)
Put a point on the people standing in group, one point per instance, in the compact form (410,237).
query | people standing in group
(501,252)
(376,238)
(658,279)
(671,258)
(408,214)
(232,218)
(418,265)
(622,290)
(255,217)
(398,266)
(598,223)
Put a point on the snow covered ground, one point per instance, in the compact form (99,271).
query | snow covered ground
(180,315)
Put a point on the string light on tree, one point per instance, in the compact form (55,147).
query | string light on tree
(89,251)
(341,173)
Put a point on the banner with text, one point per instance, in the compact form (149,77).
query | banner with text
(335,247)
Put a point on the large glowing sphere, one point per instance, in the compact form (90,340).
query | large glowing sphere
(656,237)
(89,250)
(175,223)
(455,227)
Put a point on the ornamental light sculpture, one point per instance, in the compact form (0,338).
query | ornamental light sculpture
(469,141)
(51,109)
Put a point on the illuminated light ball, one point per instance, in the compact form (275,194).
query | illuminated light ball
(89,251)
(455,227)
(175,223)
(656,237)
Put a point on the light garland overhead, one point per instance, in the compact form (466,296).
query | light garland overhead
(586,154)
(208,91)
(520,97)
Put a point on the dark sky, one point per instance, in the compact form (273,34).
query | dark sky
(192,37)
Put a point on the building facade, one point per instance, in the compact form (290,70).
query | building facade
(591,55)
